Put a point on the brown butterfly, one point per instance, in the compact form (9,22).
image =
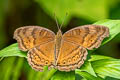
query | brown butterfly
(64,52)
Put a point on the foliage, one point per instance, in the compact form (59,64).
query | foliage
(13,63)
(94,68)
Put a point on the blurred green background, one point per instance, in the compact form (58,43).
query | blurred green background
(17,13)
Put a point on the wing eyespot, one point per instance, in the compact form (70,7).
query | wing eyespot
(69,60)
(77,56)
(64,62)
(74,58)
(46,62)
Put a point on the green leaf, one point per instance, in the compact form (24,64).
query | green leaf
(45,75)
(17,70)
(12,50)
(48,75)
(63,75)
(114,28)
(6,68)
(98,57)
(32,74)
(88,68)
(87,76)
(107,67)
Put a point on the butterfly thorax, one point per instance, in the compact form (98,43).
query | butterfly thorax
(58,39)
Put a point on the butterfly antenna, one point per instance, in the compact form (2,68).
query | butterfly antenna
(56,21)
(63,20)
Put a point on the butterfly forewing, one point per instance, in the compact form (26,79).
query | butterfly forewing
(88,36)
(71,56)
(31,36)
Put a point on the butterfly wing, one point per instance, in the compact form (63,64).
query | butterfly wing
(42,55)
(88,36)
(72,52)
(31,36)
(71,56)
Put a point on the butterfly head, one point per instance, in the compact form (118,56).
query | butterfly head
(59,33)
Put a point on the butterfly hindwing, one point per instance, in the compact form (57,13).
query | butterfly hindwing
(31,36)
(42,55)
(88,36)
(71,56)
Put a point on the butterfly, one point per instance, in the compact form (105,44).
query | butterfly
(65,52)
